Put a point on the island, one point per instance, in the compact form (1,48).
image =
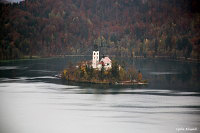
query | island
(104,71)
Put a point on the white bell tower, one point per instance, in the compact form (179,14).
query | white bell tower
(95,59)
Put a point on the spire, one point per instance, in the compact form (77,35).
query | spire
(95,47)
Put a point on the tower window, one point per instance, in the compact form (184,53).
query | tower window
(94,53)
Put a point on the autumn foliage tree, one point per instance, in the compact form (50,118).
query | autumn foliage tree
(49,27)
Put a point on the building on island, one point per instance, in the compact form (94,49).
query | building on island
(104,62)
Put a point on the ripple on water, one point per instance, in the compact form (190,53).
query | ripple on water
(163,73)
(26,78)
(11,67)
(44,71)
(8,67)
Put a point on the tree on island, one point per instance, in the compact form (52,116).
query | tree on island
(85,73)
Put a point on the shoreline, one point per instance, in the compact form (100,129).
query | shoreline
(168,58)
(41,57)
(118,83)
(178,59)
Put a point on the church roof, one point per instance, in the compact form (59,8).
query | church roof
(106,60)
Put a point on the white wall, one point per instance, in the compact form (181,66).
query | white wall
(95,59)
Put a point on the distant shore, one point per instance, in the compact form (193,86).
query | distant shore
(181,59)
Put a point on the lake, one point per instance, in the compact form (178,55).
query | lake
(33,100)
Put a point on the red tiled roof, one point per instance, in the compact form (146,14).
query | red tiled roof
(106,60)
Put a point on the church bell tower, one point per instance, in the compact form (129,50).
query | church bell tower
(95,56)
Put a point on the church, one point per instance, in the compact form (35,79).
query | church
(104,62)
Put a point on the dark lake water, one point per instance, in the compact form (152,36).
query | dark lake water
(32,100)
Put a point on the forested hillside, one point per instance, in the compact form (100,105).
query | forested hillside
(146,28)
